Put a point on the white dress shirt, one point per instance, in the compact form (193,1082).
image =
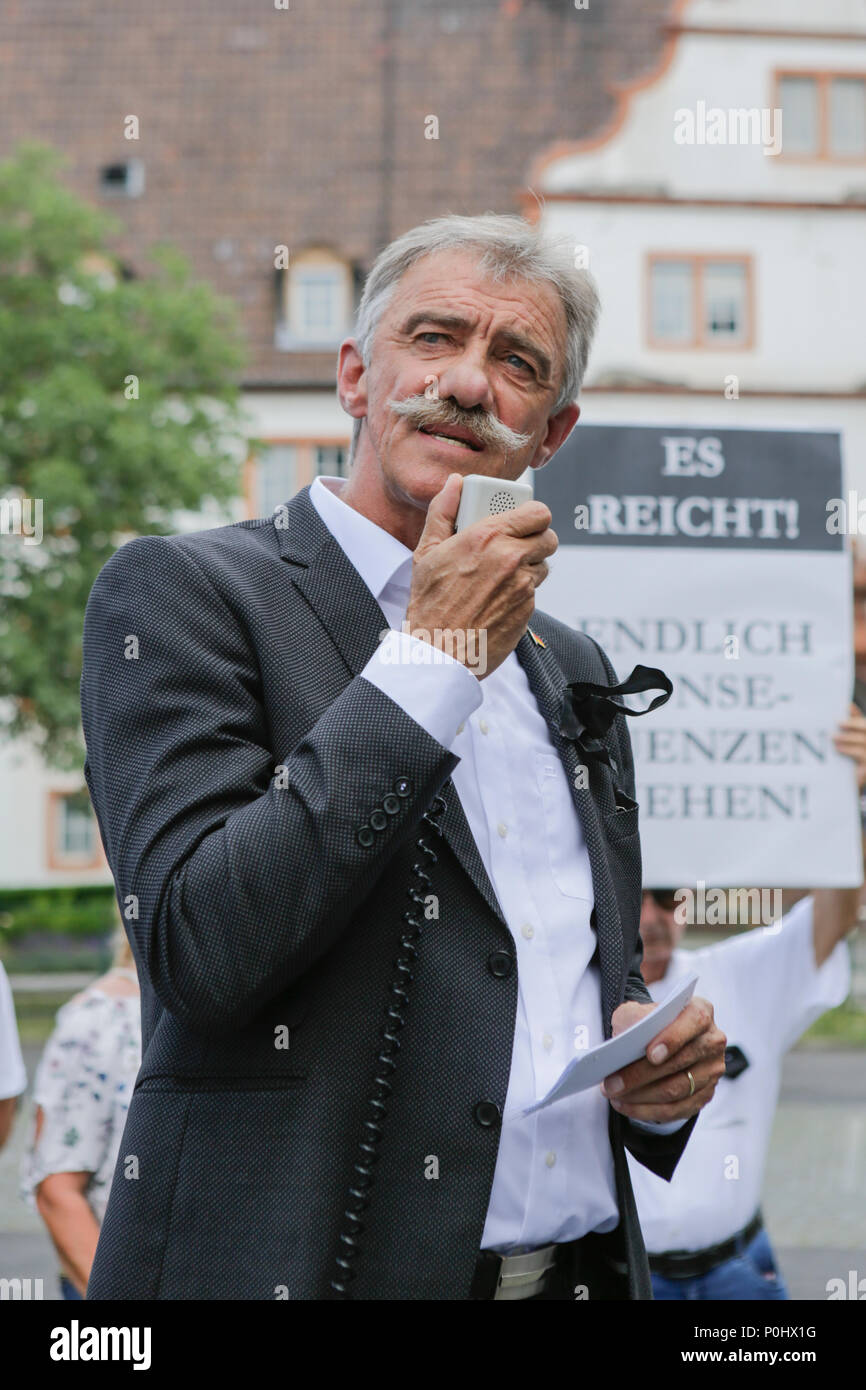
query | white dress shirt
(766,990)
(554,1177)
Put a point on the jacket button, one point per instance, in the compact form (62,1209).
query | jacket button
(365,836)
(378,819)
(500,964)
(391,804)
(403,787)
(486,1114)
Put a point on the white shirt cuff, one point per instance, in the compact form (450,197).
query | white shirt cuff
(434,689)
(659,1127)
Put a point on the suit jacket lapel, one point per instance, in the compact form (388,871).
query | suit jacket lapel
(547,682)
(352,620)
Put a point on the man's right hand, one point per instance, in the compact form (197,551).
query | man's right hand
(481,580)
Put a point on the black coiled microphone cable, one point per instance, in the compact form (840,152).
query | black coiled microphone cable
(372,1130)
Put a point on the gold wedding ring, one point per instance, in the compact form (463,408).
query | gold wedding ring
(691,1083)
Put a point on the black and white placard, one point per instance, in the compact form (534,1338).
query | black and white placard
(710,554)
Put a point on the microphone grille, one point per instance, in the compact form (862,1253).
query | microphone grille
(501,502)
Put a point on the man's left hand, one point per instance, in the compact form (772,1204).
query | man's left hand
(657,1087)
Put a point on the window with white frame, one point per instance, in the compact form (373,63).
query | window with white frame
(318,295)
(276,477)
(799,101)
(331,460)
(316,302)
(672,307)
(699,301)
(75,828)
(823,115)
(724,301)
(846,117)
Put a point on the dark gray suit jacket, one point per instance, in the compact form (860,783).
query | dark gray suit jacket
(233,756)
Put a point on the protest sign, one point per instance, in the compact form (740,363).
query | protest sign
(714,555)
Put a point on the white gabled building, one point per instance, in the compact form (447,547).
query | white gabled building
(730,262)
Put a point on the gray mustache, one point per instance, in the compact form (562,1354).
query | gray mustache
(428,414)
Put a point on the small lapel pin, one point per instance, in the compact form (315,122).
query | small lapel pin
(536,639)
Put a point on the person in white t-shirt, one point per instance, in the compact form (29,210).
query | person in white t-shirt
(13,1077)
(703,1230)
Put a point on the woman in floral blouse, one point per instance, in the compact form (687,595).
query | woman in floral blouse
(82,1090)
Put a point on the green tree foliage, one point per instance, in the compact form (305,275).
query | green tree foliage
(119,406)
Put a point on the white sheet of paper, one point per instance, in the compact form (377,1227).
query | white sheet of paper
(593,1066)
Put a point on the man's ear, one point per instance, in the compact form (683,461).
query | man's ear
(352,380)
(559,427)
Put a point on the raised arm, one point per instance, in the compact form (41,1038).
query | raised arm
(836,909)
(237,864)
(835,913)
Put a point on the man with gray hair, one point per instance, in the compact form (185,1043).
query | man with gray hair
(374,907)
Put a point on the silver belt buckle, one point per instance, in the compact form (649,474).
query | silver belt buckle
(524,1276)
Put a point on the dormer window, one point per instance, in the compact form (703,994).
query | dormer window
(123,180)
(315,301)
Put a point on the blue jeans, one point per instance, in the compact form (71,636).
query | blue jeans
(750,1275)
(68,1289)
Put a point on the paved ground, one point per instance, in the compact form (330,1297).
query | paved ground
(815,1187)
(815,1192)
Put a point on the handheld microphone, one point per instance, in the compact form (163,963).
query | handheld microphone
(482,497)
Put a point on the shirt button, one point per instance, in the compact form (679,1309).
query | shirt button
(483,726)
(461,727)
(550,1159)
(502,828)
(547,1041)
(527,931)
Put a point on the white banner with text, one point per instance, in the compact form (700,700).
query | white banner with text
(713,555)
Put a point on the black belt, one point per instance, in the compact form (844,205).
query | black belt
(692,1264)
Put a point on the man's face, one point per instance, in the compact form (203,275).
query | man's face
(660,934)
(486,347)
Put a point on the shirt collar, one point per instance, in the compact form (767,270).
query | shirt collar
(379,557)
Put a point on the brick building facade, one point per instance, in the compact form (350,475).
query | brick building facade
(308,126)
